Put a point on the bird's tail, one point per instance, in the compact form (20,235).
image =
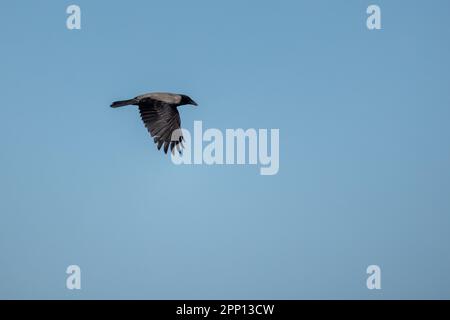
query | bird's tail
(123,103)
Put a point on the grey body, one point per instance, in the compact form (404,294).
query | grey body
(160,115)
(170,98)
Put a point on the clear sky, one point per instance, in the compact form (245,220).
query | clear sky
(364,150)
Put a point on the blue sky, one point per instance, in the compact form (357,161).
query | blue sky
(364,150)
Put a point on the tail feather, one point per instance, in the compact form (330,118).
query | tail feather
(123,103)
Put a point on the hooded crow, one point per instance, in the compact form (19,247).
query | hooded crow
(160,115)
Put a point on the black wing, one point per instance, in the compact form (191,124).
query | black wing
(161,120)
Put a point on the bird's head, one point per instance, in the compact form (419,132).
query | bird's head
(187,100)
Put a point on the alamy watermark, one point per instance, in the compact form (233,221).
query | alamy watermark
(73,21)
(73,281)
(374,20)
(234,146)
(374,279)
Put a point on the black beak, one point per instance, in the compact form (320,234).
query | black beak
(194,103)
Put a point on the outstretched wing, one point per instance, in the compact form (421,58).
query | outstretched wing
(161,120)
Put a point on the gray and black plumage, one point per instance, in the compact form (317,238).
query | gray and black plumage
(160,115)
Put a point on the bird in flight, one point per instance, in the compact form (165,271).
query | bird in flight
(160,115)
